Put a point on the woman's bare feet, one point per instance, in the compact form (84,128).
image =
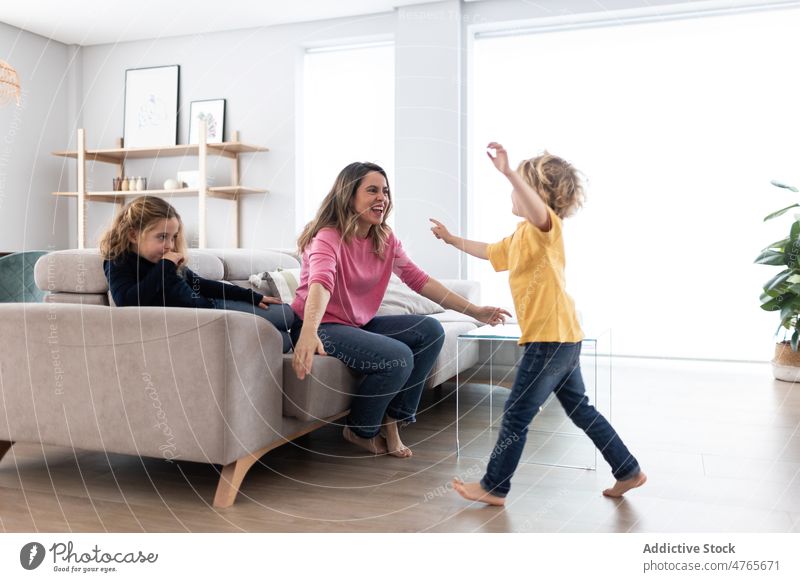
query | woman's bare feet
(391,433)
(474,492)
(621,487)
(376,445)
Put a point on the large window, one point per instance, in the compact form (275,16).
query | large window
(348,116)
(679,126)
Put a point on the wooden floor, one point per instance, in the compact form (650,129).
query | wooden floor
(719,442)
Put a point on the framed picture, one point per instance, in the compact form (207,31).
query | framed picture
(212,111)
(151,107)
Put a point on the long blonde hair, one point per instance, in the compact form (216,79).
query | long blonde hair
(337,210)
(556,181)
(139,215)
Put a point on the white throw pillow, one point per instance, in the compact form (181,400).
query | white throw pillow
(282,283)
(401,300)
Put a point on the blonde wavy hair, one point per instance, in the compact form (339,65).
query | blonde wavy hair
(139,216)
(556,181)
(337,210)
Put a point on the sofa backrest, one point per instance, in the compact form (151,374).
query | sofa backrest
(76,275)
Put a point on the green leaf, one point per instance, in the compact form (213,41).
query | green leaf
(776,303)
(770,257)
(777,279)
(782,185)
(780,212)
(795,338)
(794,232)
(786,323)
(778,245)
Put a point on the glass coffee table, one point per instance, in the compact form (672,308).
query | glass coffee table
(500,341)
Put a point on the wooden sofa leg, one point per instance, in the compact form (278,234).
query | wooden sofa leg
(232,476)
(5,446)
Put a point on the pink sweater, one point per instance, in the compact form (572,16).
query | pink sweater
(354,275)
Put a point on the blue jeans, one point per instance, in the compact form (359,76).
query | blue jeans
(548,367)
(395,353)
(281,316)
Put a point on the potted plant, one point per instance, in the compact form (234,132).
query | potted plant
(782,293)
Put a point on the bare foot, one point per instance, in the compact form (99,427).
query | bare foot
(394,445)
(621,487)
(474,492)
(376,445)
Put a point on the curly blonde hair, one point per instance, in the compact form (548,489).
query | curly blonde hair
(556,181)
(337,211)
(138,216)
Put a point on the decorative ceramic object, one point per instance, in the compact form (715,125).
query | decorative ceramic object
(171,184)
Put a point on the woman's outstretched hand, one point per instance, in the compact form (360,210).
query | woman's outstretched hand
(500,157)
(490,315)
(307,346)
(440,231)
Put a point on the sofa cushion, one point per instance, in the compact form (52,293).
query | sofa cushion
(71,271)
(81,270)
(323,393)
(205,264)
(82,298)
(449,315)
(401,300)
(241,263)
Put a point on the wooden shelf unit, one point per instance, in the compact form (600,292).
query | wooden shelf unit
(119,155)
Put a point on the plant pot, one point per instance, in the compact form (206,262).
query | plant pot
(786,363)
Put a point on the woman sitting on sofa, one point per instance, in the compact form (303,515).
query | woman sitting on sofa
(349,254)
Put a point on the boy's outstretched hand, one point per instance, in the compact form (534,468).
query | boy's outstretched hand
(490,315)
(440,231)
(500,157)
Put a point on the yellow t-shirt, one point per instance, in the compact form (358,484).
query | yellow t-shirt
(535,261)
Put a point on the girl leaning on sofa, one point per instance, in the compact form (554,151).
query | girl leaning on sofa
(145,264)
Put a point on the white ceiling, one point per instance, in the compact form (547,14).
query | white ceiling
(88,22)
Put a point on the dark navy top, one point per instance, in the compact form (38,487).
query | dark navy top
(135,281)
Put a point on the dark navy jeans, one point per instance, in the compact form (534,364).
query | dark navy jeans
(551,367)
(281,316)
(395,353)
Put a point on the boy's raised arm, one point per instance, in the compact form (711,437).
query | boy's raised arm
(528,201)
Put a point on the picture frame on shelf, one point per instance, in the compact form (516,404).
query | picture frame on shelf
(213,112)
(151,107)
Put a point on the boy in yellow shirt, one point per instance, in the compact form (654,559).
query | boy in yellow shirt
(546,189)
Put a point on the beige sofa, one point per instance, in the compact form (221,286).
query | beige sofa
(198,385)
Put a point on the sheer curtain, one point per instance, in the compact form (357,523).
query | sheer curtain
(679,126)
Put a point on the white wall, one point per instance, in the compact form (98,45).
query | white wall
(428,130)
(255,70)
(30,218)
(258,72)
